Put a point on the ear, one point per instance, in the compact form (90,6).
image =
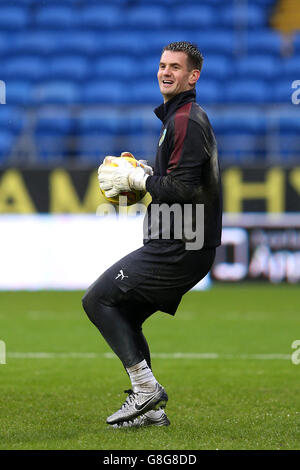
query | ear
(194,77)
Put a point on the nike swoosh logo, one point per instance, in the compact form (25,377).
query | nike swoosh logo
(139,407)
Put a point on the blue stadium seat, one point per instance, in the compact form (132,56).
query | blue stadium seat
(146,91)
(79,42)
(53,121)
(217,66)
(53,134)
(6,44)
(105,92)
(209,91)
(151,45)
(148,67)
(240,134)
(53,148)
(11,118)
(289,131)
(247,91)
(264,41)
(215,3)
(194,16)
(291,67)
(25,67)
(56,41)
(94,122)
(57,92)
(120,66)
(296,42)
(121,41)
(19,92)
(216,121)
(258,66)
(115,123)
(93,148)
(102,133)
(167,3)
(150,16)
(6,143)
(56,16)
(116,2)
(101,16)
(216,42)
(282,91)
(69,67)
(35,42)
(264,3)
(144,133)
(35,3)
(152,125)
(290,124)
(242,148)
(143,147)
(240,122)
(249,16)
(13,17)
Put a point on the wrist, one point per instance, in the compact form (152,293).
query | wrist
(137,179)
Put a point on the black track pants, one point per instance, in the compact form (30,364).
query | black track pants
(154,277)
(121,328)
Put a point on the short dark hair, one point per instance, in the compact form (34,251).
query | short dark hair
(195,58)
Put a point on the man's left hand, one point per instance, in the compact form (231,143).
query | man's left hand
(124,177)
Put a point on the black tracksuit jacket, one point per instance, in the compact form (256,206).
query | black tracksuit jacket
(186,168)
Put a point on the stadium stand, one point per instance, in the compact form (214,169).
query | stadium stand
(103,56)
(6,143)
(56,92)
(146,16)
(103,92)
(101,16)
(289,140)
(19,93)
(27,67)
(258,67)
(13,18)
(245,15)
(263,41)
(110,67)
(55,16)
(190,17)
(52,133)
(70,67)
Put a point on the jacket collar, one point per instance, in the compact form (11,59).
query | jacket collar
(165,110)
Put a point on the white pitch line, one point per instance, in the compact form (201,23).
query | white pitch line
(176,355)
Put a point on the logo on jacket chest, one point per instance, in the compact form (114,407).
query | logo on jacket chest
(162,137)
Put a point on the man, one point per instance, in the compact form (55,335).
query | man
(155,277)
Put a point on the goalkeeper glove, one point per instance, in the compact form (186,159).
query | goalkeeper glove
(124,177)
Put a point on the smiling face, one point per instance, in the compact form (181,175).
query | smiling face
(174,75)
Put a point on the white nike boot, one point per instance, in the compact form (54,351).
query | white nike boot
(138,403)
(150,418)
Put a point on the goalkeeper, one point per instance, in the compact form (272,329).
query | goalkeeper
(157,275)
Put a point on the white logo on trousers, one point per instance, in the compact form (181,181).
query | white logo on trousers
(121,274)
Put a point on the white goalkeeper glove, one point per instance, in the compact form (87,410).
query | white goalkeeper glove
(115,179)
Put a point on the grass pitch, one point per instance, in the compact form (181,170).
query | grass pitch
(224,359)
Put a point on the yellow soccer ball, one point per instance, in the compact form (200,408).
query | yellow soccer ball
(132,197)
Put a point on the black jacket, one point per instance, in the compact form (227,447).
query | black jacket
(186,167)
